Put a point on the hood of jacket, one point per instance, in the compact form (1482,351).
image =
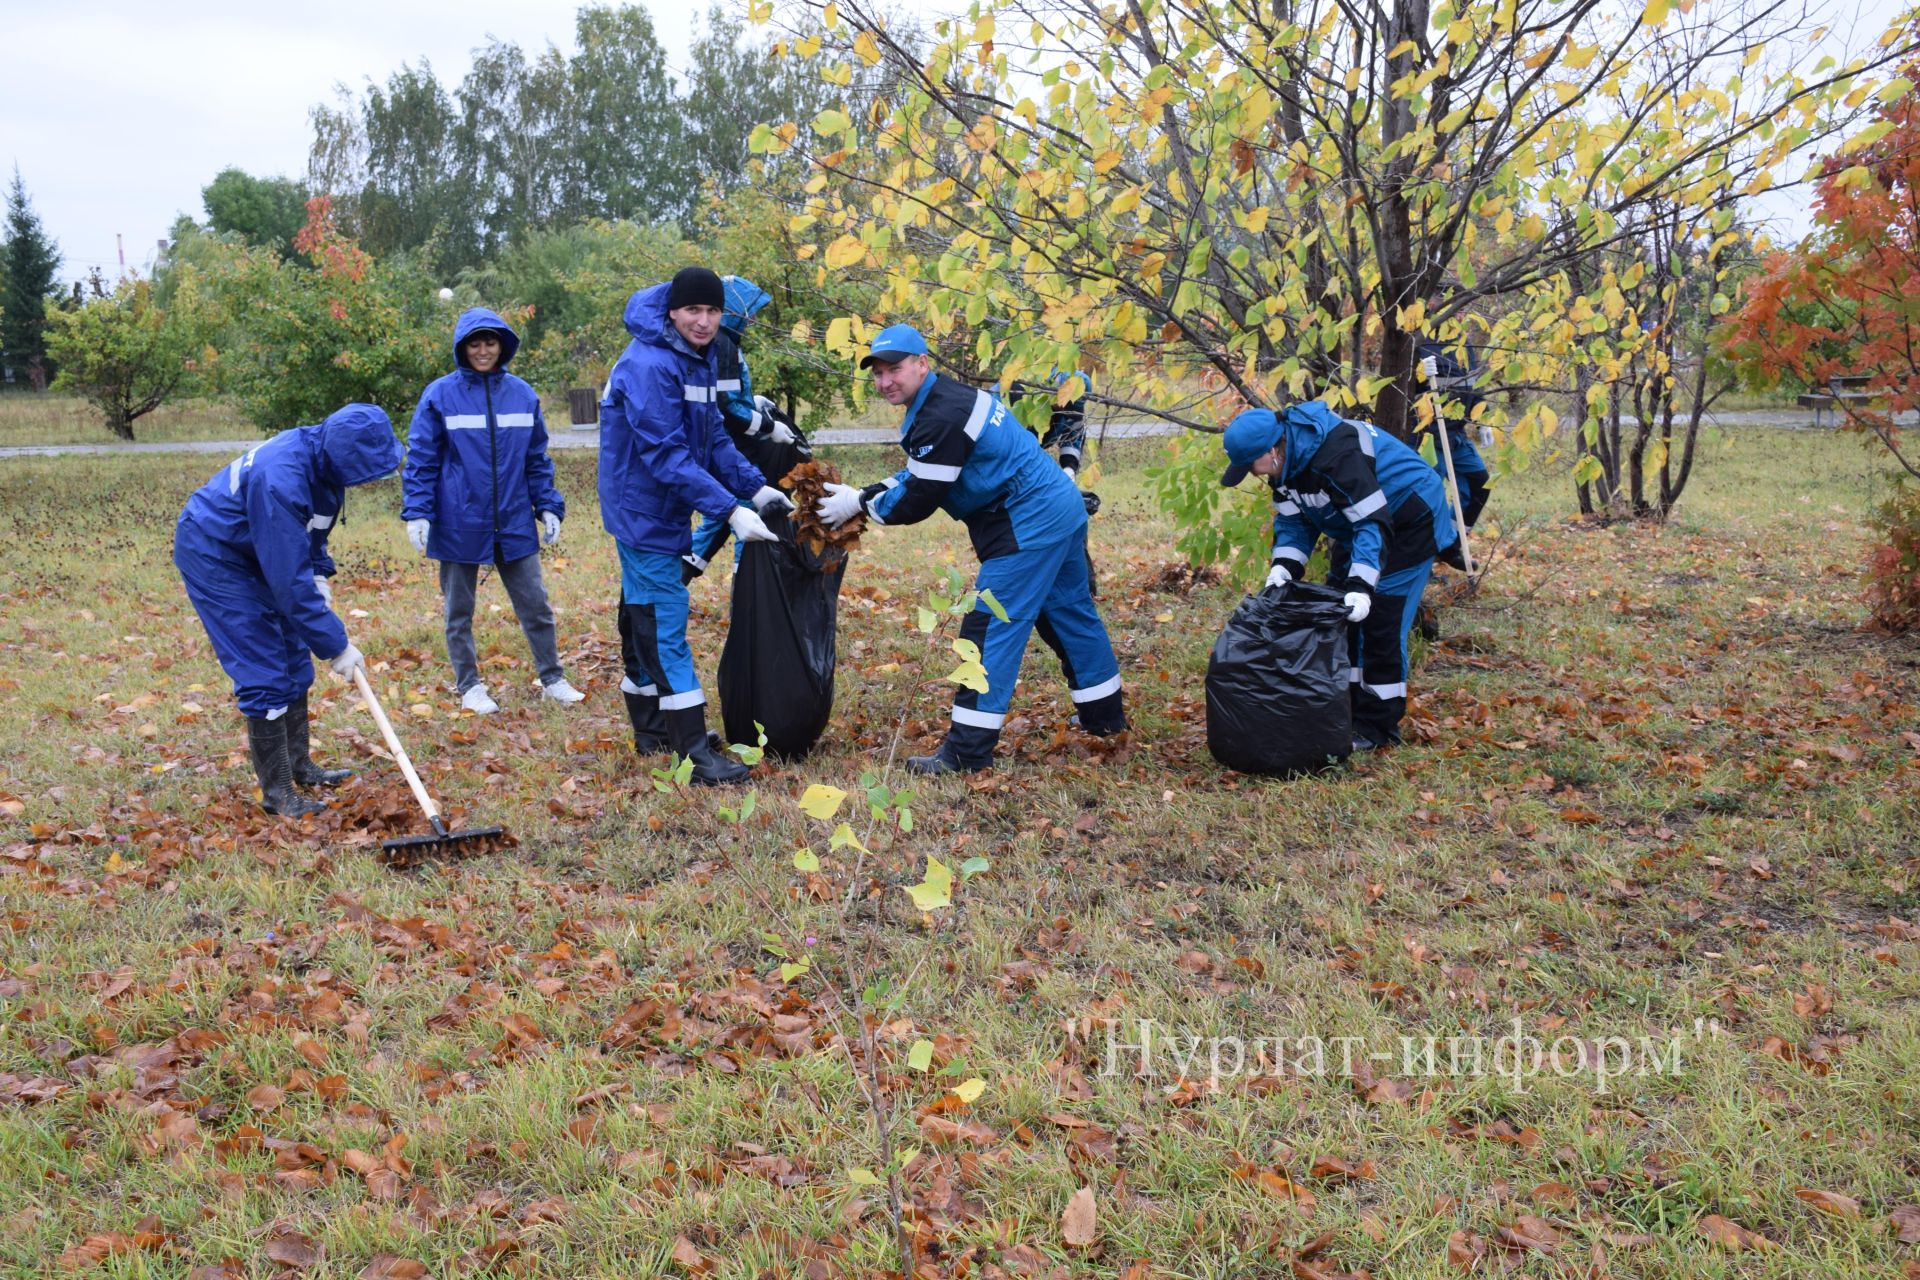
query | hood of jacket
(475,318)
(647,320)
(745,300)
(1303,429)
(355,444)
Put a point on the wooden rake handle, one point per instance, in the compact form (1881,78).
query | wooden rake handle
(399,752)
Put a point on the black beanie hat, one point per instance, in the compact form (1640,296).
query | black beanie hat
(695,287)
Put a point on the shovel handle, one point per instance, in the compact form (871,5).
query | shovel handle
(399,752)
(1431,368)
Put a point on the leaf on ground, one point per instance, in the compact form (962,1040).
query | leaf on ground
(1905,1219)
(266,1097)
(387,1266)
(1729,1234)
(822,802)
(1281,1187)
(291,1249)
(1077,1226)
(685,1255)
(1840,1206)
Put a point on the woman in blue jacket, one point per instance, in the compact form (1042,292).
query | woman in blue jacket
(664,454)
(251,547)
(477,477)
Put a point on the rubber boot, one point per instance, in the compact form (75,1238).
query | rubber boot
(1103,717)
(305,771)
(267,744)
(966,749)
(649,726)
(687,730)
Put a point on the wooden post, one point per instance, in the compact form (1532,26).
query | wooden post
(583,406)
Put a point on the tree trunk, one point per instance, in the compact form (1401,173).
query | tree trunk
(1401,281)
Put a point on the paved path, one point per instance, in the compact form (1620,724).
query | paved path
(589,437)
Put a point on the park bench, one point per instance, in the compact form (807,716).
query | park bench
(1840,392)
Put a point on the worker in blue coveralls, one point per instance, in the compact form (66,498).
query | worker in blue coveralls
(1374,498)
(478,477)
(663,456)
(251,547)
(969,456)
(1458,397)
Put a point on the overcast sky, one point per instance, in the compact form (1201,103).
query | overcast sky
(119,113)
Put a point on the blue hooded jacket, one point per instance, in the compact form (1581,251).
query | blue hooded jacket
(477,463)
(664,453)
(744,301)
(1363,488)
(266,515)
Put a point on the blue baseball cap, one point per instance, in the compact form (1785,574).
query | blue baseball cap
(894,343)
(1251,433)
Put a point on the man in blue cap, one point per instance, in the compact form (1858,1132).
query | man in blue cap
(969,456)
(1376,500)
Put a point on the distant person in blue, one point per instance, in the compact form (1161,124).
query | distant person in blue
(664,455)
(970,457)
(251,547)
(1458,396)
(479,491)
(1378,502)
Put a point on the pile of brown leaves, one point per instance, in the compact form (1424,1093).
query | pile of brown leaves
(807,484)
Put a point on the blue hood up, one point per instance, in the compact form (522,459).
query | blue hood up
(646,319)
(475,318)
(356,444)
(745,300)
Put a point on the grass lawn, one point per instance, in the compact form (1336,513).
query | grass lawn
(1660,788)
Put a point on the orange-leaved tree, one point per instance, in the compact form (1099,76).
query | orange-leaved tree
(1845,304)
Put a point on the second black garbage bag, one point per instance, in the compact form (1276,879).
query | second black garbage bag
(777,666)
(1277,683)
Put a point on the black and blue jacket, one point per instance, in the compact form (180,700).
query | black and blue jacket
(969,456)
(1362,488)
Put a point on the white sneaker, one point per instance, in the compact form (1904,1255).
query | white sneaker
(561,691)
(477,701)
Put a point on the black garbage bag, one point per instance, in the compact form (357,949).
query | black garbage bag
(777,666)
(1277,683)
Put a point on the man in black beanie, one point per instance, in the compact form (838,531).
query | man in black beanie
(665,454)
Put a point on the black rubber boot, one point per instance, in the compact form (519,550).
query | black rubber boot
(966,749)
(687,731)
(267,744)
(305,771)
(649,726)
(1104,717)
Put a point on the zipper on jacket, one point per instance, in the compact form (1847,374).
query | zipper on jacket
(493,461)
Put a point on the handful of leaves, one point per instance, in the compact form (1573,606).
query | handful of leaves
(807,483)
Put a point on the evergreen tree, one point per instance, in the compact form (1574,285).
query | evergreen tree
(32,260)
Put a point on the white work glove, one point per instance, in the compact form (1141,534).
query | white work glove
(1359,605)
(550,525)
(769,497)
(765,404)
(349,661)
(749,527)
(841,504)
(1279,576)
(781,433)
(325,589)
(1071,474)
(417,534)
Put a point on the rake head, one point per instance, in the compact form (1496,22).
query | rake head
(406,851)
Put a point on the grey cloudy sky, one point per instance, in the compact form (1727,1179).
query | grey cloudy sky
(118,113)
